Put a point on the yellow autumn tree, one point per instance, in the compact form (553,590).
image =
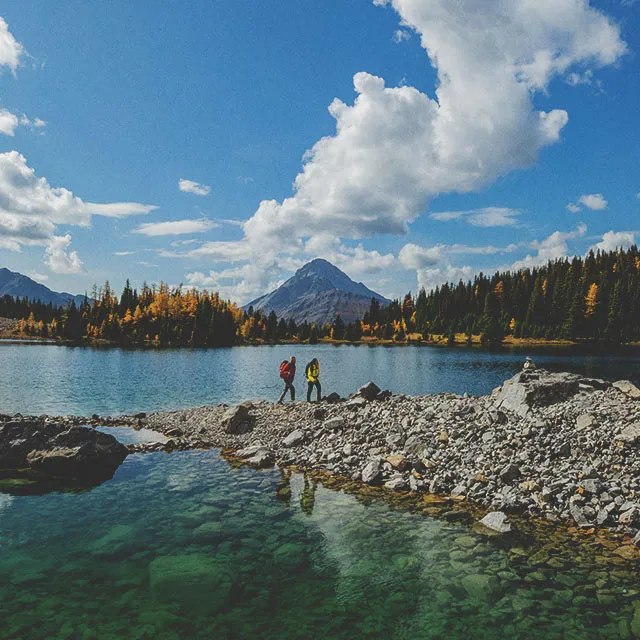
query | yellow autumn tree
(591,301)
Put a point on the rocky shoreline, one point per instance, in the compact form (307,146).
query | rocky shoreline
(555,446)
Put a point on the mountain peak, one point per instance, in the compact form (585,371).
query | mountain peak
(316,293)
(16,284)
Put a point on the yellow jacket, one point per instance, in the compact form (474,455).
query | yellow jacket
(313,372)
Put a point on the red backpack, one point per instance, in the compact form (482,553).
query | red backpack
(284,369)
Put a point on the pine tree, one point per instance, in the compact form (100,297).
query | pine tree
(338,328)
(492,333)
(614,330)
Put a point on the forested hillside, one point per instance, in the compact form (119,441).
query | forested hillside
(592,298)
(595,298)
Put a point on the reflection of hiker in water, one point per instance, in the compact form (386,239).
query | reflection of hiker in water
(308,497)
(283,488)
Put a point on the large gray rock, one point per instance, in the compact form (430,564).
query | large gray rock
(396,484)
(578,514)
(371,472)
(497,521)
(295,438)
(333,424)
(236,420)
(628,388)
(250,451)
(262,459)
(509,472)
(57,451)
(530,389)
(369,391)
(585,421)
(630,434)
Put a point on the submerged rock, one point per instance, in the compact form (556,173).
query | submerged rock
(198,581)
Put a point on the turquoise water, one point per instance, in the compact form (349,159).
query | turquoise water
(79,380)
(184,546)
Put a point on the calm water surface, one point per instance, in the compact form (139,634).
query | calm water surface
(78,380)
(183,546)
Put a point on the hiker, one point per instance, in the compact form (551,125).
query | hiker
(529,364)
(288,373)
(312,372)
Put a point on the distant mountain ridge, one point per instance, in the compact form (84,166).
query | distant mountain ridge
(17,285)
(316,293)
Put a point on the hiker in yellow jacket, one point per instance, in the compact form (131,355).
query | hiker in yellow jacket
(312,372)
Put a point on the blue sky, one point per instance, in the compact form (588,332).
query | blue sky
(427,140)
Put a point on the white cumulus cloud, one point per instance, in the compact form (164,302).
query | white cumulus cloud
(9,122)
(412,256)
(613,240)
(59,259)
(552,247)
(31,209)
(189,186)
(10,49)
(395,148)
(594,201)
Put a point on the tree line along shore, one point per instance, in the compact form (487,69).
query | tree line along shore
(595,299)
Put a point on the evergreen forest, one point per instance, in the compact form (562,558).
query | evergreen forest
(595,298)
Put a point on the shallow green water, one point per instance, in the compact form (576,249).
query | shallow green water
(184,546)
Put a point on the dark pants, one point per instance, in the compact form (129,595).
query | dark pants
(288,386)
(310,386)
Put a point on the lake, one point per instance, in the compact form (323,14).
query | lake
(58,380)
(185,546)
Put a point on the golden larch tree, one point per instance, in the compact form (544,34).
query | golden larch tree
(591,301)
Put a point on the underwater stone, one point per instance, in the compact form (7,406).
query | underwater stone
(195,581)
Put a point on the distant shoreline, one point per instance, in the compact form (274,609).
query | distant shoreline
(440,342)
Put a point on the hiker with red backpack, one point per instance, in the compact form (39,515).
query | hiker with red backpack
(288,373)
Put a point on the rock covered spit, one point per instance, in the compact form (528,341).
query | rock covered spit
(554,445)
